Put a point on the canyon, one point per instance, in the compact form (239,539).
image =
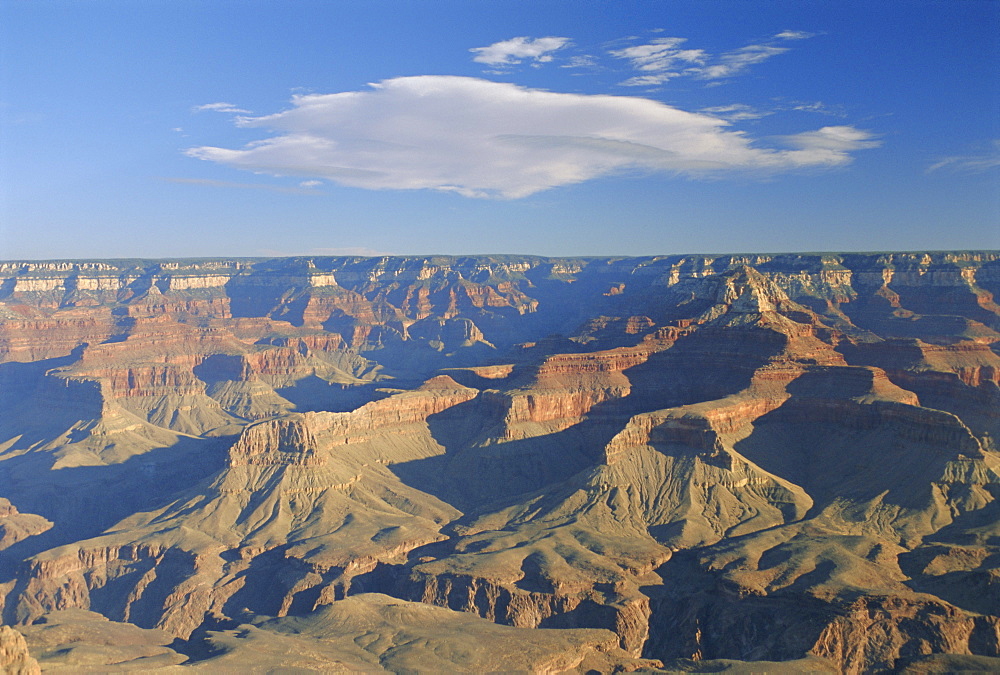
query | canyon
(688,463)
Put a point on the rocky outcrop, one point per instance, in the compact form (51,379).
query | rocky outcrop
(23,328)
(870,634)
(278,442)
(512,605)
(15,526)
(14,656)
(875,633)
(373,632)
(83,641)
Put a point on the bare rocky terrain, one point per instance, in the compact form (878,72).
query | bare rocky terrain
(733,463)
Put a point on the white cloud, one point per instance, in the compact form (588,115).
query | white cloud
(584,61)
(658,60)
(736,112)
(659,54)
(817,107)
(662,59)
(221,107)
(310,183)
(830,146)
(647,80)
(794,35)
(735,62)
(513,51)
(488,139)
(970,163)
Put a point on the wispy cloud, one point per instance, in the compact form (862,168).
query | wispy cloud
(835,138)
(662,59)
(975,163)
(736,112)
(647,80)
(514,51)
(581,61)
(243,186)
(221,107)
(794,35)
(737,61)
(480,138)
(659,54)
(658,60)
(816,107)
(830,145)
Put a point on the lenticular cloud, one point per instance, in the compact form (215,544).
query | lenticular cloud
(489,139)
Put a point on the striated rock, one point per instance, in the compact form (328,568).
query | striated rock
(27,335)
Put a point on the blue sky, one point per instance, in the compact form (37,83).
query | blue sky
(161,128)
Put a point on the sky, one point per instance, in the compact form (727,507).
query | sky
(205,128)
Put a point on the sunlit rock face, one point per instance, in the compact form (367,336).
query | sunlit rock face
(614,463)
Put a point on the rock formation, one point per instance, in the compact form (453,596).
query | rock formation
(682,462)
(14,656)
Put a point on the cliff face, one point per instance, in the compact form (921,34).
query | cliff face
(762,458)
